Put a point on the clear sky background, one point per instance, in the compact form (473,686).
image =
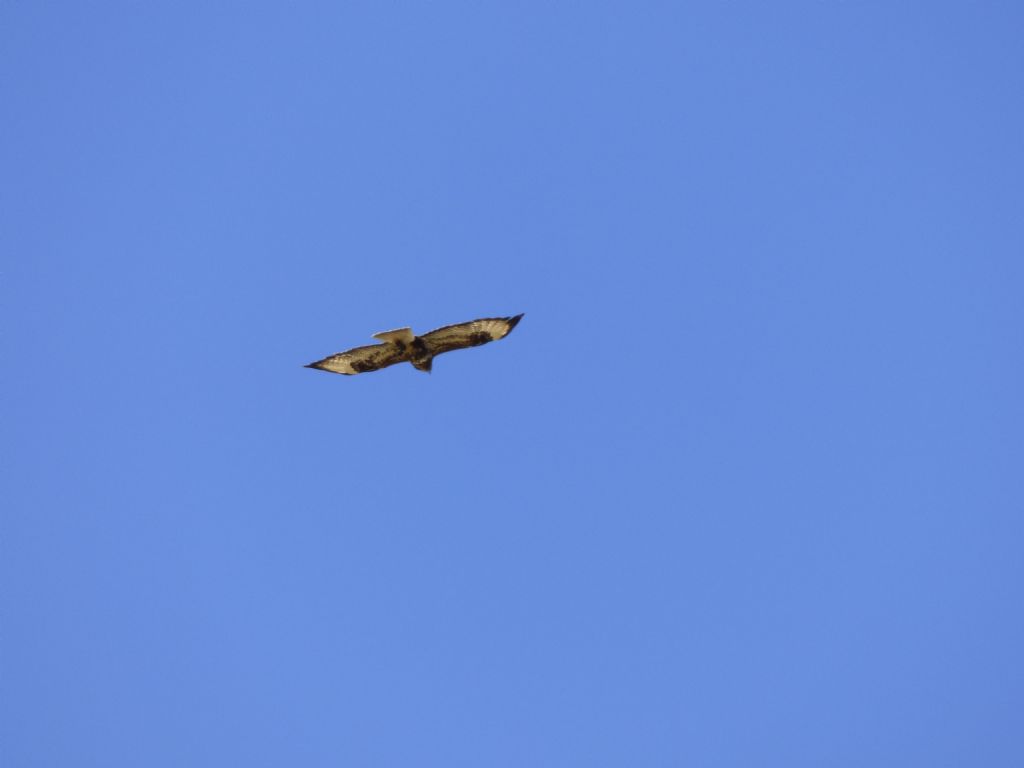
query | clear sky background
(744,488)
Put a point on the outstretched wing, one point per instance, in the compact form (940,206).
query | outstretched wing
(471,334)
(362,359)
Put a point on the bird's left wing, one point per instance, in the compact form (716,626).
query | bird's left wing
(471,334)
(362,359)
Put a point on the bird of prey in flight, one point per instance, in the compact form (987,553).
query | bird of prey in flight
(402,346)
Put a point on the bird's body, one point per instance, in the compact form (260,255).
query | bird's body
(401,345)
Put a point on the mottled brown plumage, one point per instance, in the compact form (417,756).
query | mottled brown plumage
(402,346)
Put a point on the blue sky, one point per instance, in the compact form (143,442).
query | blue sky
(743,488)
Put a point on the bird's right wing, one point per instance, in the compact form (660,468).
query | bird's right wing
(471,334)
(362,359)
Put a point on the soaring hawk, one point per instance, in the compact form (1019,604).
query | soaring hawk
(402,346)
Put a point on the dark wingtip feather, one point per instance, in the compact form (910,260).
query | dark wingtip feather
(514,321)
(312,365)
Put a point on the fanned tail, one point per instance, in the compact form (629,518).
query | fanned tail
(403,335)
